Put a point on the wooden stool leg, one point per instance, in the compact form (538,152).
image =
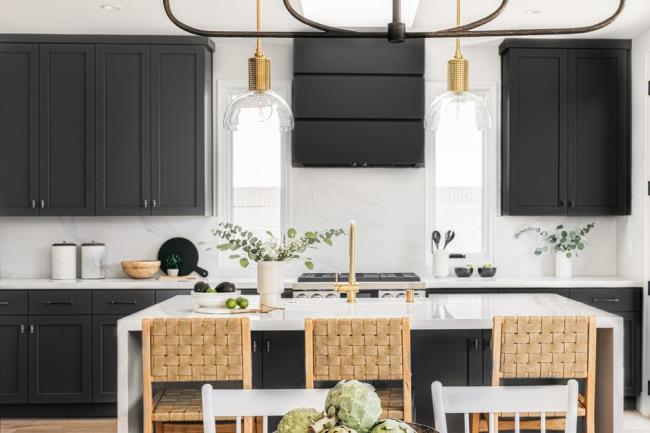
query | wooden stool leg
(474,428)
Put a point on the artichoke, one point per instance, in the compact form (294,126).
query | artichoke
(392,426)
(298,420)
(341,429)
(355,404)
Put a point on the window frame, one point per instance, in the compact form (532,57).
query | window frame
(491,173)
(226,89)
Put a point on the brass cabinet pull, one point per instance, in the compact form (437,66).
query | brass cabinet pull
(58,302)
(123,303)
(32,329)
(597,300)
(146,203)
(22,329)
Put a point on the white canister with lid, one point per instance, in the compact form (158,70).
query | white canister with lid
(64,261)
(92,260)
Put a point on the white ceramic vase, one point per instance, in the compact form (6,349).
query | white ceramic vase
(563,265)
(440,263)
(270,282)
(172,272)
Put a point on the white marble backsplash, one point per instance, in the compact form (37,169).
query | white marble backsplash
(388,205)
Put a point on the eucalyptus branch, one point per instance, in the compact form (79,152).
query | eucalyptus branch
(569,242)
(247,247)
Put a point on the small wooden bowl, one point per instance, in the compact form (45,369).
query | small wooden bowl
(141,269)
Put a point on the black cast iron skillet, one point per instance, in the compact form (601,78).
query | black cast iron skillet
(188,252)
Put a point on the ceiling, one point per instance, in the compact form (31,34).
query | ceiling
(148,17)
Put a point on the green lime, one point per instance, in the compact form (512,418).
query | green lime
(231,303)
(210,290)
(242,302)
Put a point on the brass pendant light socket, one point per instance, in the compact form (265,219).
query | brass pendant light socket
(458,75)
(259,72)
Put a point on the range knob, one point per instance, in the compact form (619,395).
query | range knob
(317,296)
(301,296)
(400,295)
(331,296)
(386,295)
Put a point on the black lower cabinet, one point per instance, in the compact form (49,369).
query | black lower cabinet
(60,359)
(454,358)
(632,342)
(105,359)
(13,359)
(284,359)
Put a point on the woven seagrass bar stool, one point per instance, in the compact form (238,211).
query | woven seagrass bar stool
(544,348)
(180,355)
(366,350)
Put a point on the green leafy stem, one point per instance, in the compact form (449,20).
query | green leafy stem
(570,242)
(250,247)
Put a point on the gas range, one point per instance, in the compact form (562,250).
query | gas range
(371,285)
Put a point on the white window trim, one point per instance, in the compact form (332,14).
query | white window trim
(491,174)
(226,89)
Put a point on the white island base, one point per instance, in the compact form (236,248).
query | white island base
(443,312)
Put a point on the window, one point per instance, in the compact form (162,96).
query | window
(461,178)
(252,168)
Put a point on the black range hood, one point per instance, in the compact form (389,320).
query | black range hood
(358,103)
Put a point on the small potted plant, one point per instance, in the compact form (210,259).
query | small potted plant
(270,254)
(173,263)
(565,243)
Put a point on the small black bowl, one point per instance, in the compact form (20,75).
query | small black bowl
(487,272)
(463,271)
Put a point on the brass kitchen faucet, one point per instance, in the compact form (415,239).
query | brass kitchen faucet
(351,288)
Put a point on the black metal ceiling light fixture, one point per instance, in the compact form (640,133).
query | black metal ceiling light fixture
(396,30)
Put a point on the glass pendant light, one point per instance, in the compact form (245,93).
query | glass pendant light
(263,102)
(457,104)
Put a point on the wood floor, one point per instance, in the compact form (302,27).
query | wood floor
(633,423)
(81,425)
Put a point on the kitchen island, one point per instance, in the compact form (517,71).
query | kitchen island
(444,313)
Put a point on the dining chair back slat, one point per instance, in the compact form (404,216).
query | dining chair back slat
(493,400)
(255,403)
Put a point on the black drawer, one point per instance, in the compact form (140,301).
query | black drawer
(164,294)
(122,302)
(59,302)
(13,302)
(610,299)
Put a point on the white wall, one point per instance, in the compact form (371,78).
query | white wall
(389,204)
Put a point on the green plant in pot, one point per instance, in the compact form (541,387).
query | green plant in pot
(565,243)
(173,263)
(271,253)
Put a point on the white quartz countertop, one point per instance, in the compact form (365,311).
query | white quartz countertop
(466,311)
(251,283)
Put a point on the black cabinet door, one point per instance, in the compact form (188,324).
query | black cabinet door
(60,359)
(105,359)
(451,357)
(67,135)
(19,129)
(534,132)
(180,126)
(598,132)
(13,359)
(632,353)
(123,130)
(283,359)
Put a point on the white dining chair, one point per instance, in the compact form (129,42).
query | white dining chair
(263,403)
(493,400)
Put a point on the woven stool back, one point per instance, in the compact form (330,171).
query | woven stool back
(544,347)
(362,349)
(197,350)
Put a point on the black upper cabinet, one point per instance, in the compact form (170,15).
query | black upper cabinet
(599,132)
(181,98)
(67,136)
(119,126)
(123,146)
(19,129)
(566,143)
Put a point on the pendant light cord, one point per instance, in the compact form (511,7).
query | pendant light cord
(458,54)
(258,51)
